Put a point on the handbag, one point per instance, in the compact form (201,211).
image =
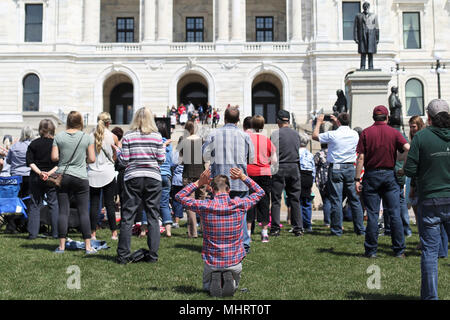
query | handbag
(55,179)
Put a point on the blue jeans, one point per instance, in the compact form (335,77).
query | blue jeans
(306,207)
(342,177)
(377,185)
(176,206)
(404,214)
(434,214)
(326,206)
(166,214)
(242,194)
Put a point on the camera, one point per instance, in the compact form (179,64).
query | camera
(327,117)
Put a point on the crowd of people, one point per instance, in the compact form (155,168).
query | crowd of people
(206,115)
(232,178)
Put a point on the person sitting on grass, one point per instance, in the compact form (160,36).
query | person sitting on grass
(223,236)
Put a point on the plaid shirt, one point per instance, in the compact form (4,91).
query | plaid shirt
(222,219)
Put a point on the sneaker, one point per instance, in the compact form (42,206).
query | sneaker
(264,239)
(215,288)
(297,233)
(114,238)
(92,251)
(370,256)
(275,233)
(400,256)
(119,260)
(58,250)
(309,229)
(228,284)
(175,226)
(291,230)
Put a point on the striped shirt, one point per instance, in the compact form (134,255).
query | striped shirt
(222,219)
(227,148)
(142,154)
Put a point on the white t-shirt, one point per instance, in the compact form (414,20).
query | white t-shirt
(102,171)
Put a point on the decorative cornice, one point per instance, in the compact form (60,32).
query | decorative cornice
(46,2)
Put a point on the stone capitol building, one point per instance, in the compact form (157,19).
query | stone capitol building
(263,55)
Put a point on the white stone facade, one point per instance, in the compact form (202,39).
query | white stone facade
(78,61)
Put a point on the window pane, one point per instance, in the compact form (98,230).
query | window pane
(121,37)
(260,36)
(190,36)
(120,24)
(190,24)
(269,36)
(199,23)
(130,24)
(411,30)
(349,11)
(31,93)
(269,23)
(199,37)
(33,22)
(130,37)
(259,23)
(414,97)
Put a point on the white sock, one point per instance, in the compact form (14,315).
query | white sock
(264,232)
(249,233)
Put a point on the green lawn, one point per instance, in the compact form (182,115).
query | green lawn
(315,266)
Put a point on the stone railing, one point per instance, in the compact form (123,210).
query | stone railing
(266,47)
(192,47)
(118,47)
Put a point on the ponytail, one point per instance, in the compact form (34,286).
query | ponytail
(102,120)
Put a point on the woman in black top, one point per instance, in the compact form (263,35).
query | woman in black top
(39,160)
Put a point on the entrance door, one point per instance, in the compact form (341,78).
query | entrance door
(266,101)
(122,104)
(196,93)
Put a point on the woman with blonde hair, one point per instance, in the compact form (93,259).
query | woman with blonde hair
(142,152)
(102,174)
(73,150)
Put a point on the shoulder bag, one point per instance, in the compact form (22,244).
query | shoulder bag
(55,179)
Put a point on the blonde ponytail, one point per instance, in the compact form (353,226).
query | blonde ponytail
(103,120)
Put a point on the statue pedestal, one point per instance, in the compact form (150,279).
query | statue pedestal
(367,89)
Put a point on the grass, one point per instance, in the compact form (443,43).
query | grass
(313,267)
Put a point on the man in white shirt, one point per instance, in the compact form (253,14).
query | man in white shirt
(341,175)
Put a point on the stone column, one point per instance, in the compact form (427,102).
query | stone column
(165,20)
(367,89)
(223,20)
(236,21)
(149,20)
(297,35)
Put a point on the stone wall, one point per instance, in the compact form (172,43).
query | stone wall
(192,8)
(263,8)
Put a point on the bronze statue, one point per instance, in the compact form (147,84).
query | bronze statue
(366,34)
(395,108)
(341,103)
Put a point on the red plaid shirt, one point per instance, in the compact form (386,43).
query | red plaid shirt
(222,219)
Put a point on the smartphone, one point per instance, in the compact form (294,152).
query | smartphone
(327,117)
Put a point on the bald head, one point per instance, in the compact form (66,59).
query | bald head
(232,115)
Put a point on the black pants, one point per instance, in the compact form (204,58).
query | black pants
(39,190)
(137,191)
(79,188)
(108,198)
(261,211)
(287,177)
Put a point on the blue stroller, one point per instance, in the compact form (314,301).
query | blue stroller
(10,203)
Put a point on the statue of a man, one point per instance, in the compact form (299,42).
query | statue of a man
(395,108)
(366,34)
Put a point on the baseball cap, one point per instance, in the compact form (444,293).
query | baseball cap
(380,110)
(437,106)
(283,115)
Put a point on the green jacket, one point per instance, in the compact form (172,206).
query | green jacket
(429,161)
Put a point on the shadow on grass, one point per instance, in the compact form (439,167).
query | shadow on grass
(339,253)
(354,295)
(188,290)
(40,246)
(192,247)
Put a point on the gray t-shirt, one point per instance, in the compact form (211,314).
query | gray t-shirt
(287,142)
(67,143)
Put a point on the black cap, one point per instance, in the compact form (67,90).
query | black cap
(284,115)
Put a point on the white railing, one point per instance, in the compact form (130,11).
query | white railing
(118,47)
(266,47)
(192,47)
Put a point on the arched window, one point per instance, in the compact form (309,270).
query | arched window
(31,92)
(414,98)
